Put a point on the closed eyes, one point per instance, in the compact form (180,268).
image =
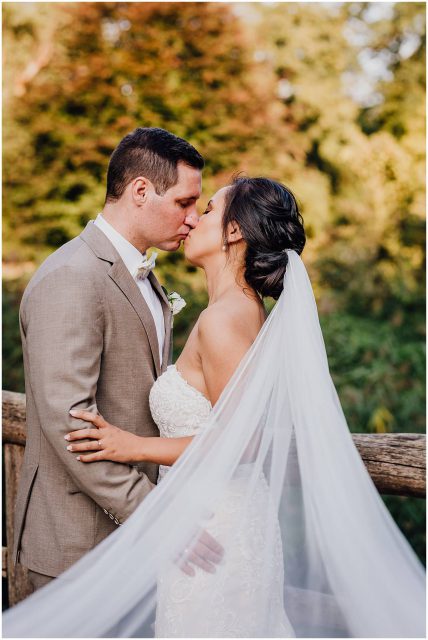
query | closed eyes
(209,208)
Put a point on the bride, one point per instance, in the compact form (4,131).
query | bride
(255,457)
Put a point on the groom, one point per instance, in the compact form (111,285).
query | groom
(95,328)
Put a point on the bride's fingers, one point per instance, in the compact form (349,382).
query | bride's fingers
(96,419)
(84,446)
(185,566)
(92,457)
(81,434)
(187,556)
(208,554)
(201,562)
(206,539)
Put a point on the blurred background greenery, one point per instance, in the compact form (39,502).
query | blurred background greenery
(327,97)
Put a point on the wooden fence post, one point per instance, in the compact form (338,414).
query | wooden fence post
(18,585)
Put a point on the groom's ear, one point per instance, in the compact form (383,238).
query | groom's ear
(233,233)
(139,188)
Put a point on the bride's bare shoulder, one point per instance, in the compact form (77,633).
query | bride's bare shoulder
(232,318)
(222,342)
(225,332)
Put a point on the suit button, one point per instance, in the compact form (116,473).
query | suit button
(105,511)
(116,521)
(111,516)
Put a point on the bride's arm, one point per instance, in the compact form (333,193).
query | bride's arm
(108,442)
(164,450)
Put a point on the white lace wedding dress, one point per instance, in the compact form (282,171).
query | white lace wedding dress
(200,606)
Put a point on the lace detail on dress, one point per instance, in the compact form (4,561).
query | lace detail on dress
(177,408)
(206,605)
(199,606)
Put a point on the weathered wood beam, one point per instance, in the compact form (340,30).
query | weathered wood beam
(13,412)
(4,562)
(17,576)
(395,461)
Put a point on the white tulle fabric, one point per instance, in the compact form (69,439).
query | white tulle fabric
(181,410)
(278,439)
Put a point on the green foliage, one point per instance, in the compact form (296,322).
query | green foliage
(13,371)
(410,515)
(379,373)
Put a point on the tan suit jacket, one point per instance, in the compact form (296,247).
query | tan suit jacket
(89,341)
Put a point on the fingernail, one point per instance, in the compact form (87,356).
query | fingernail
(69,448)
(67,437)
(78,458)
(73,412)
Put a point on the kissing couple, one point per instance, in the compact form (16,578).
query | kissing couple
(219,496)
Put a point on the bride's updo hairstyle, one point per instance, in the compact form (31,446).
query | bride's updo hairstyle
(270,222)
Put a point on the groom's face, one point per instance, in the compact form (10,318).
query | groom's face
(170,217)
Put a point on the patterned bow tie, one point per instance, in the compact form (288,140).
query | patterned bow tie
(145,267)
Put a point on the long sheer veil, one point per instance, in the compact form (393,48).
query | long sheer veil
(347,569)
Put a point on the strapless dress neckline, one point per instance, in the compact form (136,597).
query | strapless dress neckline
(188,385)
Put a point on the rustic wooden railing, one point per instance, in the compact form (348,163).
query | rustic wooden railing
(13,438)
(395,461)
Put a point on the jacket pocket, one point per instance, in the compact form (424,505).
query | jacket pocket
(26,483)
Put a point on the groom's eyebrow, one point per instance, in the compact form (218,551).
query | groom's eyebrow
(188,198)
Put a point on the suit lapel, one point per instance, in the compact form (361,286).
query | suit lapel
(118,272)
(167,316)
(121,276)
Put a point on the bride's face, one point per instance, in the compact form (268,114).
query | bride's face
(206,239)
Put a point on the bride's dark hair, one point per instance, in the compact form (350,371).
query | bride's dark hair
(270,222)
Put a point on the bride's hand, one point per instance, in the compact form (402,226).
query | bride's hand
(205,552)
(106,441)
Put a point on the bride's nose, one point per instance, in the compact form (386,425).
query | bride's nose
(192,219)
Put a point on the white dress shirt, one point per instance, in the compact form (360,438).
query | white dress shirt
(132,258)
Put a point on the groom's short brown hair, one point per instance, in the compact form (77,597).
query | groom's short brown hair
(150,152)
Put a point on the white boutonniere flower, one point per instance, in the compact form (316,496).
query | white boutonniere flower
(176,303)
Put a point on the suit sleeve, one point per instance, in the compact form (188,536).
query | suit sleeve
(63,321)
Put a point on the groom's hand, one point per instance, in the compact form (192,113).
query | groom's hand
(205,553)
